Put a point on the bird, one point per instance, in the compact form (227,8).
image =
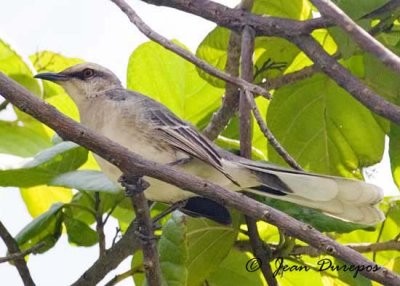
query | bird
(150,129)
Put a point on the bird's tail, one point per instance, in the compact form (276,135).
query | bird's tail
(346,199)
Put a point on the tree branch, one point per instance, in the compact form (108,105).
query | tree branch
(278,82)
(151,34)
(368,43)
(99,224)
(230,103)
(13,248)
(126,246)
(129,162)
(134,187)
(22,254)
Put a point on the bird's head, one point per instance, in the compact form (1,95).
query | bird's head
(83,81)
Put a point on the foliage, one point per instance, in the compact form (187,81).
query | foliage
(319,123)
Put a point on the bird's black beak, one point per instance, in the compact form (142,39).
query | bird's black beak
(54,77)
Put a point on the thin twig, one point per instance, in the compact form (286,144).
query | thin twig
(268,134)
(275,83)
(20,263)
(134,187)
(99,224)
(129,162)
(151,34)
(22,254)
(368,43)
(120,277)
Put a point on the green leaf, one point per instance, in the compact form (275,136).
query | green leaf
(351,277)
(295,9)
(39,199)
(80,233)
(232,271)
(137,264)
(85,180)
(213,49)
(23,141)
(394,152)
(171,80)
(173,247)
(45,228)
(47,61)
(16,68)
(208,244)
(41,169)
(356,9)
(318,123)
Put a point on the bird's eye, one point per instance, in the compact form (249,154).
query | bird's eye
(87,73)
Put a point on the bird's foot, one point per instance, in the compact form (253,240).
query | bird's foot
(145,238)
(133,185)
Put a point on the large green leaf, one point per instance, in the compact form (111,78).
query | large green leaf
(394,153)
(15,67)
(356,9)
(23,141)
(232,271)
(171,80)
(295,9)
(45,228)
(319,125)
(208,244)
(86,180)
(41,169)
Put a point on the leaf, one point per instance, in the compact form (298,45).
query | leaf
(173,247)
(45,228)
(356,9)
(232,271)
(394,265)
(319,124)
(39,199)
(16,68)
(351,277)
(171,80)
(47,61)
(86,180)
(295,9)
(208,244)
(80,233)
(22,141)
(394,153)
(41,169)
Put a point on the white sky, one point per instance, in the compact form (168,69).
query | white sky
(97,31)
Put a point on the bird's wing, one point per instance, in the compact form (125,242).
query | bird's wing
(184,137)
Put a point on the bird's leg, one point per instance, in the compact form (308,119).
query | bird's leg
(133,184)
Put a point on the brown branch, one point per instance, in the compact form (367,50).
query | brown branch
(151,34)
(126,246)
(22,254)
(134,187)
(13,248)
(99,224)
(129,162)
(236,19)
(230,103)
(368,43)
(120,277)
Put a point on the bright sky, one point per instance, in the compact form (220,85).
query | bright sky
(97,31)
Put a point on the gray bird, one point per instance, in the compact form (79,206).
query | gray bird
(150,129)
